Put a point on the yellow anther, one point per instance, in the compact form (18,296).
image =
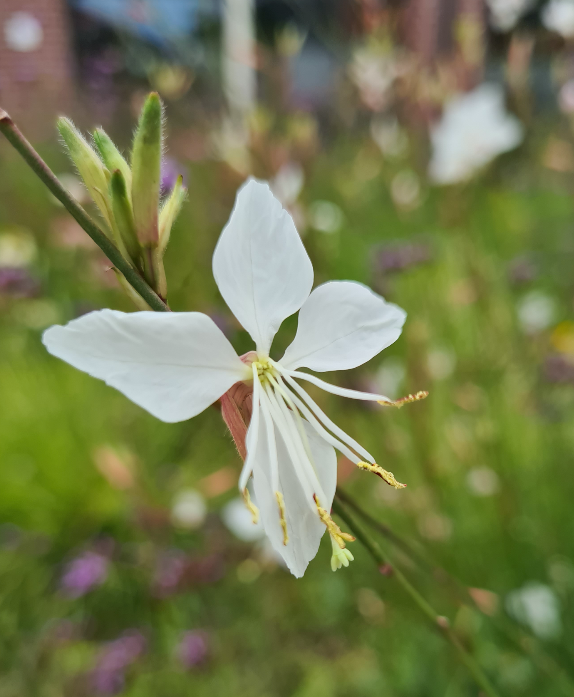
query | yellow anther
(340,557)
(281,504)
(334,530)
(388,477)
(251,507)
(405,400)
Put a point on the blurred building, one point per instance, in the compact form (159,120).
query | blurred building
(35,60)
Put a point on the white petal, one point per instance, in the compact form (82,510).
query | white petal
(260,265)
(342,325)
(303,524)
(173,364)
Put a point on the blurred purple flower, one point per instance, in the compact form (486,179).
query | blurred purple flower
(170,171)
(557,368)
(108,676)
(17,282)
(83,573)
(193,649)
(206,570)
(522,270)
(169,573)
(399,256)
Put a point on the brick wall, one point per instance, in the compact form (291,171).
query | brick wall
(35,84)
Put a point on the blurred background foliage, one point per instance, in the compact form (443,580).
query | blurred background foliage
(126,566)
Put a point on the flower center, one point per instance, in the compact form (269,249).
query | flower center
(265,371)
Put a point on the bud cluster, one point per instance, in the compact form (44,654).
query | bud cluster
(128,197)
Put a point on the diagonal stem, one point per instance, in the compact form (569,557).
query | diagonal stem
(37,164)
(517,636)
(440,622)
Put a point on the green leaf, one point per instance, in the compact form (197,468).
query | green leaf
(146,166)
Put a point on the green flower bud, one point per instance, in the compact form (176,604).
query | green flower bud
(123,215)
(112,157)
(169,212)
(146,166)
(89,165)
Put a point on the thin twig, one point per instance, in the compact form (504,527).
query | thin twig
(505,627)
(37,164)
(439,622)
(389,534)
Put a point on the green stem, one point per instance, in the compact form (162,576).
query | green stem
(504,626)
(37,164)
(441,623)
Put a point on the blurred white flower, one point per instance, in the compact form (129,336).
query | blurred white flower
(239,522)
(387,133)
(288,183)
(483,481)
(505,14)
(17,248)
(405,189)
(325,216)
(441,363)
(230,143)
(23,32)
(373,69)
(474,129)
(188,510)
(536,605)
(536,312)
(558,16)
(390,376)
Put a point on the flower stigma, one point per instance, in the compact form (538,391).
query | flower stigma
(340,557)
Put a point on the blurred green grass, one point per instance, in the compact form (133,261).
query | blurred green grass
(326,634)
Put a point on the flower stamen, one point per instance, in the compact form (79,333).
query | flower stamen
(281,504)
(251,507)
(404,400)
(334,530)
(388,477)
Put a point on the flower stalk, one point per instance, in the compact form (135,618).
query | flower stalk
(437,620)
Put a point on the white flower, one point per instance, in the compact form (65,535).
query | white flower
(537,606)
(287,184)
(177,364)
(188,510)
(23,32)
(536,312)
(238,520)
(374,69)
(558,16)
(505,14)
(474,129)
